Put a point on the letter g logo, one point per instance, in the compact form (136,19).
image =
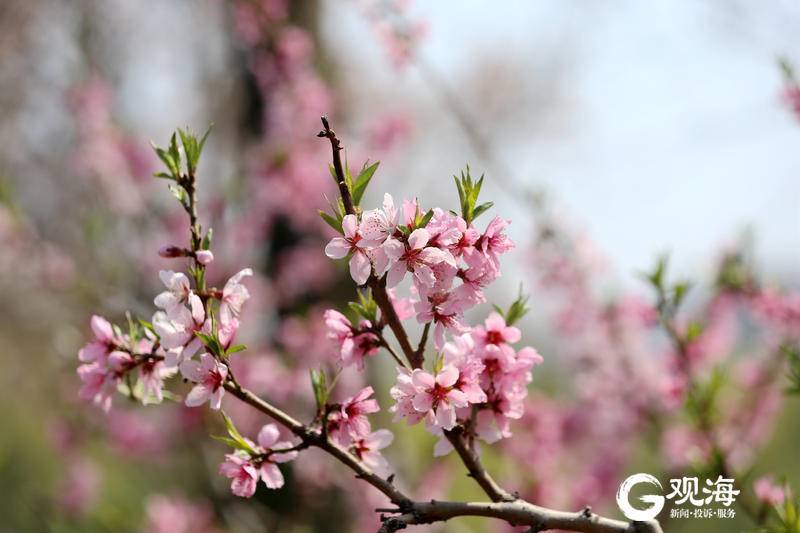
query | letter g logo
(656,500)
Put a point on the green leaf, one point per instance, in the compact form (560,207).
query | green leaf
(236,349)
(478,211)
(211,343)
(171,164)
(468,193)
(693,330)
(179,193)
(174,153)
(679,292)
(203,140)
(320,387)
(206,244)
(517,310)
(148,326)
(425,219)
(225,440)
(163,175)
(362,180)
(331,221)
(240,441)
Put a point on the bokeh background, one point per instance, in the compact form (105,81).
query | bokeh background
(633,129)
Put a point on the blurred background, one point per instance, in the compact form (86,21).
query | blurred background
(626,130)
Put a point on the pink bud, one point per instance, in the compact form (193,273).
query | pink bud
(204,257)
(171,251)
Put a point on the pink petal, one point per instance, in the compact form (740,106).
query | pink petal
(396,274)
(271,476)
(337,248)
(268,436)
(379,440)
(422,379)
(445,416)
(350,226)
(101,328)
(422,402)
(198,395)
(495,322)
(360,268)
(418,239)
(448,376)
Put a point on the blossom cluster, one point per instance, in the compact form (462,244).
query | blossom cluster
(254,461)
(348,425)
(479,379)
(110,357)
(481,383)
(436,249)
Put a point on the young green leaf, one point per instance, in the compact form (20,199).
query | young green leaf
(320,387)
(362,180)
(331,221)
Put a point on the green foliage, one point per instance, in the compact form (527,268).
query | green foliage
(468,191)
(334,220)
(788,517)
(171,156)
(792,353)
(366,307)
(192,148)
(235,439)
(211,342)
(361,182)
(670,296)
(516,310)
(319,384)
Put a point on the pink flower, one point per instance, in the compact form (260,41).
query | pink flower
(152,373)
(492,342)
(245,470)
(204,257)
(461,354)
(403,393)
(97,385)
(366,449)
(444,309)
(791,95)
(243,474)
(438,395)
(768,491)
(234,295)
(178,329)
(416,257)
(350,421)
(210,375)
(340,247)
(268,441)
(494,242)
(354,344)
(105,341)
(177,293)
(378,225)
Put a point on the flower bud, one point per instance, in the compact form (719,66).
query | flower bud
(171,251)
(204,257)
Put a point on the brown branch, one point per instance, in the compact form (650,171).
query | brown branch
(410,512)
(475,468)
(518,513)
(378,286)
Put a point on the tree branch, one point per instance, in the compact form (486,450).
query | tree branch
(378,286)
(518,513)
(475,468)
(410,512)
